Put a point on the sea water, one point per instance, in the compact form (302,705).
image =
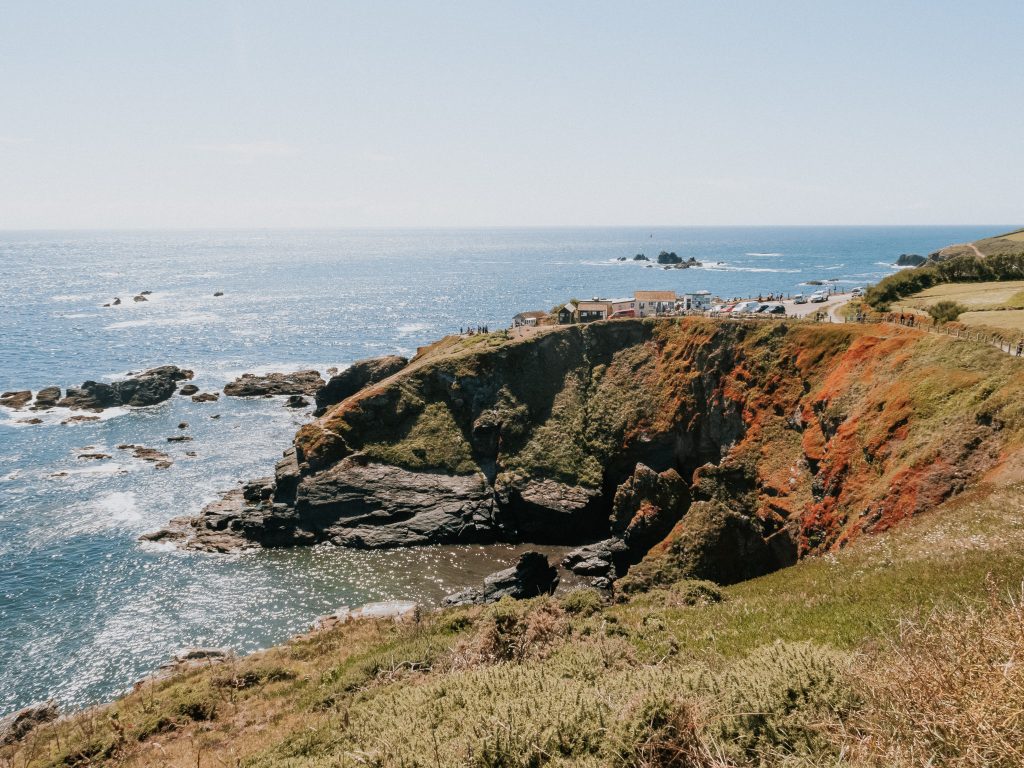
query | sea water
(85,608)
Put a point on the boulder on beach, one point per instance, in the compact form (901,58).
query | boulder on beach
(532,575)
(361,374)
(148,388)
(253,385)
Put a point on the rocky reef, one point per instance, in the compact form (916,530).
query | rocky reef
(254,385)
(723,449)
(139,390)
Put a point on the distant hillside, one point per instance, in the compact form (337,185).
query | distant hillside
(1010,242)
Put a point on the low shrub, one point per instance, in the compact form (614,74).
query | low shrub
(945,311)
(583,602)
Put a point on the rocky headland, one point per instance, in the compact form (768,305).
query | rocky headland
(726,449)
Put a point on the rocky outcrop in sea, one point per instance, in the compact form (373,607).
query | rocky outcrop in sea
(254,385)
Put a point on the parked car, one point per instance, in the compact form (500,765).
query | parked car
(799,298)
(774,309)
(819,296)
(857,291)
(746,306)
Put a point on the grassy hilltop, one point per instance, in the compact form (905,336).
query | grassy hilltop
(891,457)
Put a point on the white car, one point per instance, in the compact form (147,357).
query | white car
(799,298)
(856,291)
(819,296)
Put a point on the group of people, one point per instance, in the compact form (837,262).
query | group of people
(473,331)
(902,318)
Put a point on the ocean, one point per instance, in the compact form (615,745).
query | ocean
(85,608)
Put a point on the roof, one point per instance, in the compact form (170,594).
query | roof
(569,307)
(622,301)
(538,313)
(697,293)
(602,304)
(655,295)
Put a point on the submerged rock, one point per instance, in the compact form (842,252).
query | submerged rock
(18,725)
(159,459)
(252,385)
(188,389)
(206,397)
(357,376)
(296,401)
(532,575)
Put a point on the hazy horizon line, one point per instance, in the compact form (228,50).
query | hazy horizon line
(411,228)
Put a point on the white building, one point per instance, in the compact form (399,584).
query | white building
(696,301)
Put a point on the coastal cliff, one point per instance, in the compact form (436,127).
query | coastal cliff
(788,438)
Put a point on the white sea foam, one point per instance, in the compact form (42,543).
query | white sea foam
(412,328)
(118,506)
(184,318)
(724,267)
(755,253)
(99,468)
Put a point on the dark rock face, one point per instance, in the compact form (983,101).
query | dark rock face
(531,576)
(188,389)
(640,257)
(18,725)
(148,388)
(543,511)
(47,397)
(360,374)
(605,558)
(296,401)
(716,543)
(16,399)
(647,506)
(298,383)
(910,260)
(669,258)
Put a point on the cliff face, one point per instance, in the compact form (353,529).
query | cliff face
(791,438)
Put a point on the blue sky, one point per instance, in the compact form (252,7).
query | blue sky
(475,113)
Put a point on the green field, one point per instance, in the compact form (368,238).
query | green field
(991,304)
